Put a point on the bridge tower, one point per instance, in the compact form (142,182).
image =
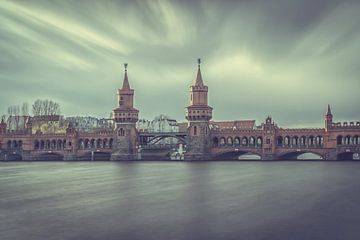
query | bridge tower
(328,119)
(2,134)
(198,114)
(125,117)
(269,141)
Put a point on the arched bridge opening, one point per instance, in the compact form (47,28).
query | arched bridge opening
(301,155)
(348,156)
(237,155)
(49,157)
(95,156)
(13,157)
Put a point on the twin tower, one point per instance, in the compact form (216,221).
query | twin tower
(198,114)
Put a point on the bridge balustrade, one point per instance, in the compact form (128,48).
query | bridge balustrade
(95,143)
(14,145)
(244,142)
(45,145)
(300,142)
(348,140)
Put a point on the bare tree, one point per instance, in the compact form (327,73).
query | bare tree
(25,109)
(45,108)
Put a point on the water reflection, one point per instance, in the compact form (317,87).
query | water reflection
(179,200)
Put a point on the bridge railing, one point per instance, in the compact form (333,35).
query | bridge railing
(237,146)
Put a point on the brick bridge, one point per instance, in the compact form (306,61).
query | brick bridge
(203,139)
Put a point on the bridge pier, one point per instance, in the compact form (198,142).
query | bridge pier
(27,156)
(268,157)
(70,157)
(197,157)
(123,157)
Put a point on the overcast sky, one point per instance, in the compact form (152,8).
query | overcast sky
(288,59)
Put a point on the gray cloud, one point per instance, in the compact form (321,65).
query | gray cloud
(284,58)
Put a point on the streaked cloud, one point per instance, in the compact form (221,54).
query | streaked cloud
(284,58)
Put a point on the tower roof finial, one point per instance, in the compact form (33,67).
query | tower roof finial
(199,81)
(328,110)
(126,84)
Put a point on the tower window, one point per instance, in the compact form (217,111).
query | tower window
(195,130)
(121,132)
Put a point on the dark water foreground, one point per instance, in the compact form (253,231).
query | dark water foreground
(180,200)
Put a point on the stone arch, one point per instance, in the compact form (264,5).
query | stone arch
(47,144)
(311,141)
(215,142)
(99,143)
(15,144)
(53,144)
(287,141)
(237,141)
(64,144)
(229,141)
(42,144)
(234,155)
(339,140)
(222,142)
(356,140)
(9,144)
(105,143)
(59,144)
(293,155)
(111,142)
(36,145)
(295,141)
(347,140)
(252,141)
(319,141)
(302,141)
(92,143)
(81,143)
(347,155)
(279,141)
(86,144)
(244,141)
(259,141)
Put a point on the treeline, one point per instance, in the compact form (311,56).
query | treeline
(45,108)
(40,107)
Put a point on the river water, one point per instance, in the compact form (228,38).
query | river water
(180,200)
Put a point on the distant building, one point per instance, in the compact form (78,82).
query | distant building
(160,123)
(90,124)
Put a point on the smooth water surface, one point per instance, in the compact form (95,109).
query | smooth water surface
(180,200)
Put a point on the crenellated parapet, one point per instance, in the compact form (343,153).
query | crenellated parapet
(345,126)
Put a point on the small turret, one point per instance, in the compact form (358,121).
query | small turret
(28,124)
(3,126)
(328,119)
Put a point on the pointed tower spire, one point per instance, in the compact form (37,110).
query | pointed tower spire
(126,84)
(328,110)
(199,81)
